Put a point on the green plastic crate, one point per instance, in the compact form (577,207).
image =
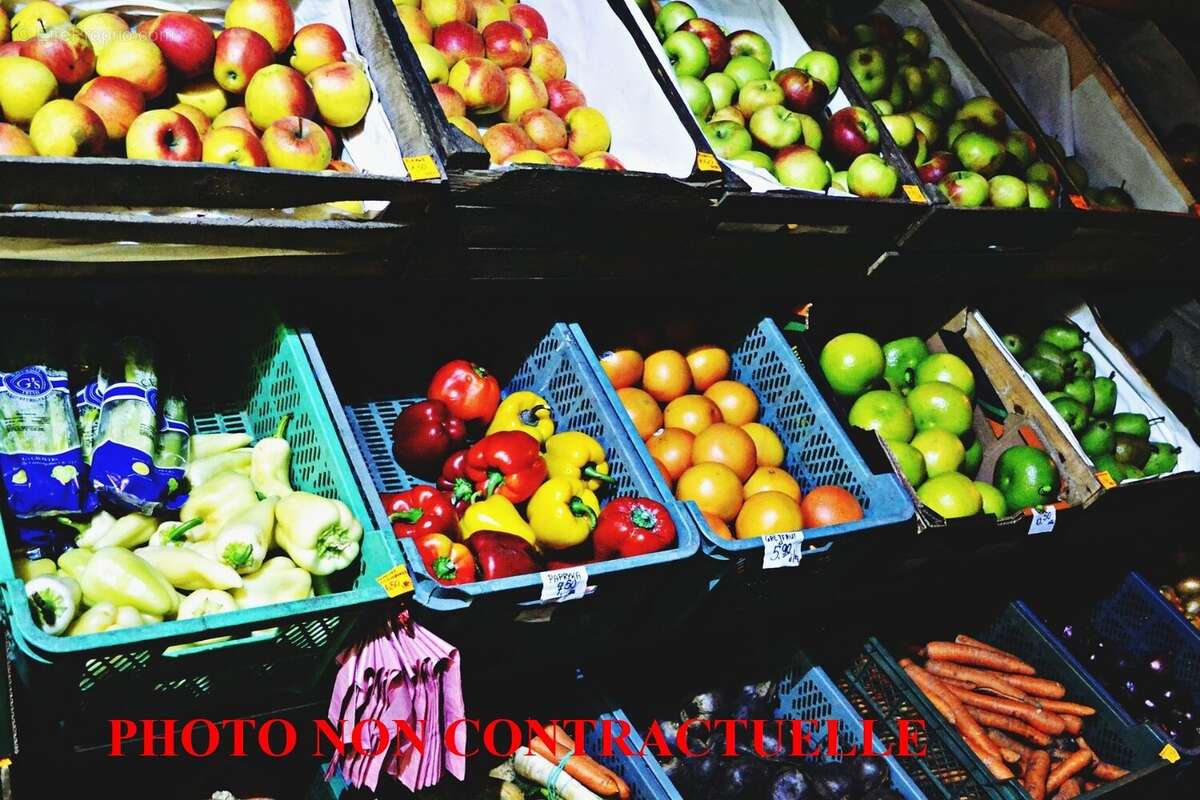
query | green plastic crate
(243,377)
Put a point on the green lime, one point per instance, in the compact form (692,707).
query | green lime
(900,359)
(993,501)
(947,368)
(972,459)
(911,461)
(940,405)
(943,451)
(885,412)
(951,495)
(851,363)
(1026,476)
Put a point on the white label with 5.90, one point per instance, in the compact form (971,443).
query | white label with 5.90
(1043,520)
(782,549)
(561,585)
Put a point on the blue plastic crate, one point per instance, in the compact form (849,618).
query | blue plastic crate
(1140,621)
(559,371)
(818,451)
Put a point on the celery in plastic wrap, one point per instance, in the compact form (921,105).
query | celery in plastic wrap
(40,454)
(172,457)
(123,471)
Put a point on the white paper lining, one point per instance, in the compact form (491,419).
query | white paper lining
(915,13)
(1133,393)
(769,19)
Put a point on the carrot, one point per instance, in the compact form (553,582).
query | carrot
(1009,756)
(582,767)
(960,684)
(1070,790)
(967,727)
(1002,739)
(1042,720)
(995,765)
(969,642)
(538,769)
(932,694)
(1078,761)
(1038,687)
(1011,725)
(979,677)
(1108,772)
(1060,707)
(1073,723)
(1034,779)
(977,657)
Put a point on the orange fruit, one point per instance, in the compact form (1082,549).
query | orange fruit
(708,364)
(766,444)
(662,468)
(666,375)
(713,487)
(830,505)
(718,526)
(724,444)
(673,447)
(768,512)
(737,403)
(772,479)
(692,412)
(623,367)
(642,409)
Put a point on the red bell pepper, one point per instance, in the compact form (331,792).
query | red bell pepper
(421,509)
(508,463)
(467,389)
(424,434)
(455,483)
(632,526)
(449,562)
(502,555)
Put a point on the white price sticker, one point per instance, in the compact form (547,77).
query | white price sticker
(1043,520)
(782,549)
(561,585)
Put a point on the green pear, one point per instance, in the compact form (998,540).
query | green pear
(1105,390)
(1098,438)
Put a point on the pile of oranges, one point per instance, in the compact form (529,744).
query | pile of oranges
(703,431)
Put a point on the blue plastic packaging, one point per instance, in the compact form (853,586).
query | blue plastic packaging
(41,459)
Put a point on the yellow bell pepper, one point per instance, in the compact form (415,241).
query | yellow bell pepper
(129,531)
(28,570)
(497,513)
(73,562)
(279,581)
(188,570)
(562,513)
(203,603)
(219,500)
(320,534)
(270,463)
(108,617)
(524,411)
(115,575)
(576,455)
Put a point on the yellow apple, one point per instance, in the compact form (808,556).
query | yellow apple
(272,18)
(103,29)
(236,117)
(315,46)
(65,128)
(343,93)
(138,60)
(15,142)
(528,157)
(234,146)
(205,95)
(36,18)
(5,31)
(296,143)
(587,131)
(433,63)
(25,86)
(466,126)
(276,92)
(526,92)
(415,25)
(198,118)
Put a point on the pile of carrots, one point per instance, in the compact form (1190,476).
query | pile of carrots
(1018,724)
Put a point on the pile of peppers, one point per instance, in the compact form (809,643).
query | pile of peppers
(519,499)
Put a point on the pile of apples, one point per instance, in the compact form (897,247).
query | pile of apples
(173,89)
(703,432)
(762,117)
(493,59)
(966,149)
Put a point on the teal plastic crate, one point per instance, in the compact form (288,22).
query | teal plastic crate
(287,644)
(817,450)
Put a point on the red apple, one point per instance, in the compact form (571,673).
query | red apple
(852,132)
(66,50)
(15,142)
(546,60)
(802,92)
(507,44)
(296,143)
(116,101)
(564,157)
(341,166)
(481,83)
(276,92)
(939,165)
(451,101)
(272,18)
(163,135)
(505,140)
(488,11)
(602,160)
(236,117)
(241,52)
(563,96)
(316,45)
(64,128)
(187,44)
(714,40)
(198,118)
(544,128)
(10,49)
(525,91)
(136,59)
(234,146)
(458,40)
(530,19)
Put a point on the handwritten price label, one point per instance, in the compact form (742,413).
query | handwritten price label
(782,549)
(396,581)
(421,168)
(707,162)
(1043,520)
(561,585)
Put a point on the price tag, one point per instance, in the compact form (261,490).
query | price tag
(914,193)
(1043,520)
(707,162)
(1078,201)
(396,581)
(1169,754)
(1106,480)
(561,585)
(782,549)
(421,168)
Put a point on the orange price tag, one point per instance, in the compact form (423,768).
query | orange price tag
(1078,201)
(707,162)
(1106,480)
(396,581)
(914,193)
(421,168)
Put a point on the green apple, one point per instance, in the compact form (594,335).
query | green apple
(822,66)
(957,128)
(1006,191)
(902,129)
(727,114)
(1041,172)
(964,189)
(1021,146)
(811,132)
(721,88)
(745,69)
(1039,195)
(801,167)
(754,45)
(945,98)
(937,72)
(697,96)
(871,176)
(883,107)
(918,40)
(755,158)
(980,153)
(897,94)
(919,149)
(670,17)
(884,412)
(728,139)
(984,112)
(774,127)
(914,81)
(688,54)
(869,68)
(759,94)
